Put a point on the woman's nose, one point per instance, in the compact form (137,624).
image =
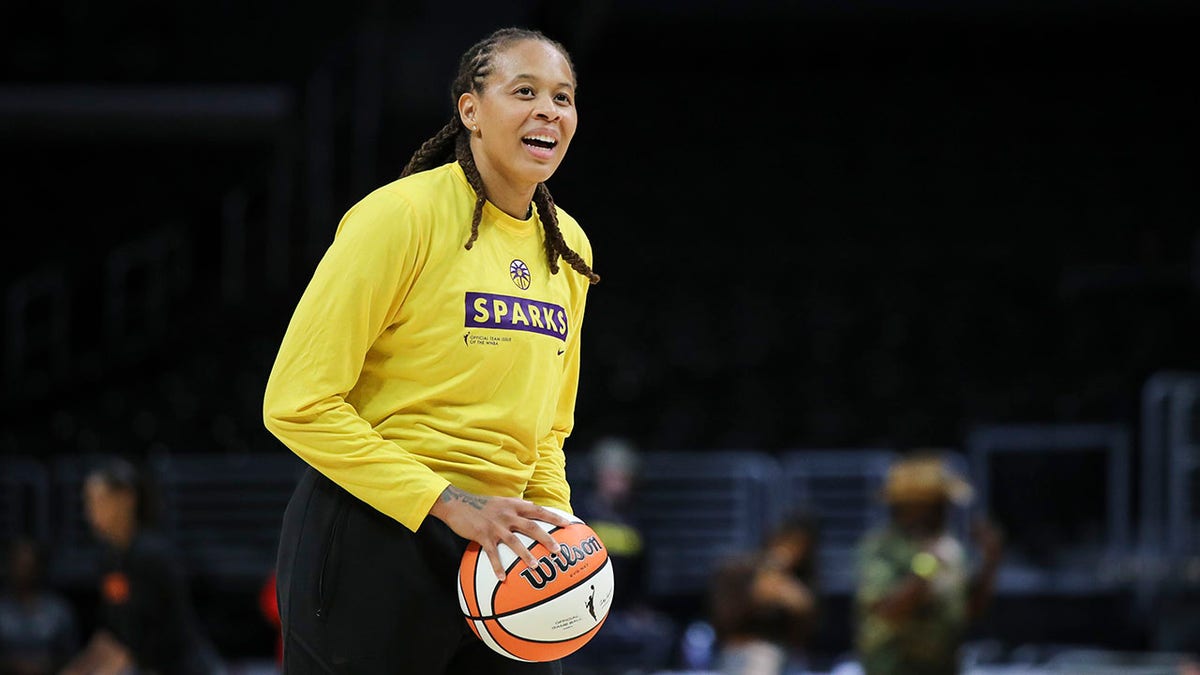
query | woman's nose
(546,109)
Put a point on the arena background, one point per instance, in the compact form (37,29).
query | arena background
(820,226)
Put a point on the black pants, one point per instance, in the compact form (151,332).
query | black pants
(360,593)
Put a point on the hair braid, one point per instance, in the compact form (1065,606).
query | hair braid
(436,150)
(462,151)
(555,244)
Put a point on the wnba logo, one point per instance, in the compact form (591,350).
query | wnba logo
(562,560)
(519,272)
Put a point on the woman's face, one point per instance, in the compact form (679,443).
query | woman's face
(110,511)
(792,547)
(923,518)
(525,115)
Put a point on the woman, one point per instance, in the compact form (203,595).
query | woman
(147,624)
(428,377)
(764,605)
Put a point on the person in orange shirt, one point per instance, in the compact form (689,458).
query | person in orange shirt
(147,623)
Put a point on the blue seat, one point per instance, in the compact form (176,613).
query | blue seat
(698,507)
(1072,545)
(224,510)
(24,498)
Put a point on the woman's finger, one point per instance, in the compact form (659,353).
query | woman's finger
(534,531)
(531,529)
(514,543)
(548,516)
(493,554)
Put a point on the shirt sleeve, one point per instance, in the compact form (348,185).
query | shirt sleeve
(548,484)
(351,298)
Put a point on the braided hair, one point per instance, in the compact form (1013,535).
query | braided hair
(452,142)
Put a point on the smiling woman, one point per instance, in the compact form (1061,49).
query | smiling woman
(430,368)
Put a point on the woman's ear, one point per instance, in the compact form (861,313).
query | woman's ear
(468,105)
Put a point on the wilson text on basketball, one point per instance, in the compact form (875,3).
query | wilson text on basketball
(550,565)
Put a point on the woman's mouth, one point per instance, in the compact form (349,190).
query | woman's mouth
(540,145)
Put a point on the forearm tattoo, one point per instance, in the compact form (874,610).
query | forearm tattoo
(454,494)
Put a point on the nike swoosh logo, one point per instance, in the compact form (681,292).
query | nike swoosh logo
(560,352)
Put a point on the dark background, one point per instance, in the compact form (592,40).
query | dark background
(819,224)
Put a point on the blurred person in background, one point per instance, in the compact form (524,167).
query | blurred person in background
(763,605)
(635,633)
(917,593)
(147,623)
(429,374)
(38,629)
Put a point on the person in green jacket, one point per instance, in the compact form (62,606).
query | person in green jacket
(916,589)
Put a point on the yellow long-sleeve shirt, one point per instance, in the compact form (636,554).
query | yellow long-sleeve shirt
(411,363)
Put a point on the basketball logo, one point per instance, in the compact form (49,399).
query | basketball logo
(539,613)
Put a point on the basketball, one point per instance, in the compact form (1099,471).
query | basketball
(542,613)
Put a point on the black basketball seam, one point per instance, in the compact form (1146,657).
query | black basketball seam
(554,642)
(607,563)
(497,642)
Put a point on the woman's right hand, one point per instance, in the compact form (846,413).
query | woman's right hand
(491,521)
(778,588)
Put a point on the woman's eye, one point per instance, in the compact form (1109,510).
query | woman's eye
(525,91)
(563,98)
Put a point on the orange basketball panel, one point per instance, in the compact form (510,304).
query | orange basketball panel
(466,579)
